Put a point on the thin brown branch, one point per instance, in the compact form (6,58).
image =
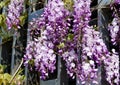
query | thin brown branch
(16,72)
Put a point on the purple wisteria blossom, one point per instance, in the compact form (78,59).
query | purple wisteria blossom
(71,59)
(45,59)
(93,53)
(42,56)
(55,10)
(117,1)
(56,17)
(14,10)
(30,52)
(64,33)
(112,68)
(87,72)
(81,15)
(114,29)
(93,46)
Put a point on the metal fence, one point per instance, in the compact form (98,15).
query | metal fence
(12,51)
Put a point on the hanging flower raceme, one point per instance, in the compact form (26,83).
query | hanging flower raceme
(77,22)
(29,56)
(45,58)
(88,72)
(114,29)
(112,68)
(93,46)
(14,10)
(112,62)
(71,59)
(41,56)
(81,15)
(92,54)
(55,16)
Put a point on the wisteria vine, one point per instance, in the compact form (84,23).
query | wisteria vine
(64,33)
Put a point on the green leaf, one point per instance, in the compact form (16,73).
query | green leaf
(2,68)
(22,19)
(20,77)
(61,45)
(31,62)
(4,33)
(1,76)
(95,27)
(2,4)
(23,77)
(1,81)
(69,4)
(2,21)
(5,82)
(7,76)
(70,37)
(6,2)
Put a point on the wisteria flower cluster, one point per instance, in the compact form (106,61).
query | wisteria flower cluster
(112,68)
(81,15)
(93,46)
(64,33)
(112,62)
(117,1)
(114,29)
(14,10)
(40,53)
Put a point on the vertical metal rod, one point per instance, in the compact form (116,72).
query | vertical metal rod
(13,52)
(59,71)
(28,39)
(26,69)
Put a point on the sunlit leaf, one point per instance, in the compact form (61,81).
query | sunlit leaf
(61,45)
(7,76)
(68,4)
(22,19)
(4,3)
(70,36)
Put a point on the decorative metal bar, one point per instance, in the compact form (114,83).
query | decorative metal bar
(59,71)
(13,52)
(28,39)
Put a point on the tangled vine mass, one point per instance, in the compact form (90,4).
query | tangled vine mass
(64,33)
